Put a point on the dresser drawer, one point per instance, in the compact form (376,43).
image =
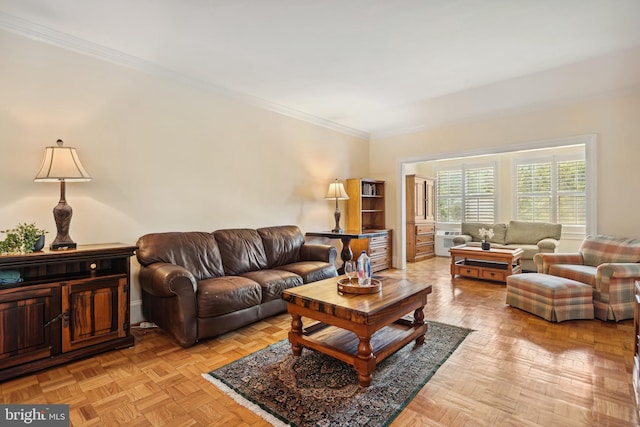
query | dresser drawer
(379,240)
(425,228)
(376,251)
(380,263)
(425,250)
(423,240)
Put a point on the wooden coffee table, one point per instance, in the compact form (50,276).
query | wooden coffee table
(359,329)
(493,264)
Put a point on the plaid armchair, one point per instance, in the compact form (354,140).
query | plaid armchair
(609,264)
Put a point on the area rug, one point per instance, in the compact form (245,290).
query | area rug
(318,390)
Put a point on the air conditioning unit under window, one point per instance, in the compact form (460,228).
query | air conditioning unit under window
(444,240)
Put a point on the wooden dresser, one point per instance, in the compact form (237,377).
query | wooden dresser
(70,304)
(421,226)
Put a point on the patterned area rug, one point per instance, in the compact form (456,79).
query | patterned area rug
(317,390)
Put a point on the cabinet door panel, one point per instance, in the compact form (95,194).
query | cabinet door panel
(430,213)
(24,327)
(96,312)
(92,312)
(420,199)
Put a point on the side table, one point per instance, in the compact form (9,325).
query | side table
(346,254)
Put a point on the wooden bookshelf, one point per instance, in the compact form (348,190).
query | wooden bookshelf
(366,214)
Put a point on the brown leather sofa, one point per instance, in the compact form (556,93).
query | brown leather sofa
(199,285)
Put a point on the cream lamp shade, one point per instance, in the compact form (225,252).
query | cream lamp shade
(61,164)
(336,191)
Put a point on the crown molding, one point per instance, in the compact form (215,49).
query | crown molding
(44,34)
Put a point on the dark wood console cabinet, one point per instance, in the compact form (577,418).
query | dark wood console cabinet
(71,304)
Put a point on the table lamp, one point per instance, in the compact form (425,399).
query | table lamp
(62,164)
(337,192)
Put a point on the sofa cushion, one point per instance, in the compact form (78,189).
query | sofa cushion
(598,249)
(311,271)
(223,295)
(528,251)
(581,273)
(281,244)
(196,251)
(273,282)
(531,233)
(473,228)
(241,250)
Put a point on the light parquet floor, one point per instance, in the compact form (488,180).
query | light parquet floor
(515,369)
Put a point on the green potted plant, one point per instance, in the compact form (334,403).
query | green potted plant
(24,238)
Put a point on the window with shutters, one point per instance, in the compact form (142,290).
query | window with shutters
(449,196)
(466,194)
(551,189)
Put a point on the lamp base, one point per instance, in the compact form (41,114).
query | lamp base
(336,216)
(62,214)
(61,246)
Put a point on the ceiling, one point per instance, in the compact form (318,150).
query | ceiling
(367,67)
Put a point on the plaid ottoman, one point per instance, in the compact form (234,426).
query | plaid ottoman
(550,297)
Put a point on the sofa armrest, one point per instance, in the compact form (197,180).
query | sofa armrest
(544,261)
(617,281)
(617,270)
(169,300)
(167,280)
(548,245)
(462,239)
(318,252)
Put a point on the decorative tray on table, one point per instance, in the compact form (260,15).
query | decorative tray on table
(351,286)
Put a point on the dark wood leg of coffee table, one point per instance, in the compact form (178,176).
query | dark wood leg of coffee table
(364,362)
(418,320)
(453,263)
(295,333)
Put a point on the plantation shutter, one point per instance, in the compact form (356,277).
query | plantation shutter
(571,192)
(479,200)
(534,192)
(449,196)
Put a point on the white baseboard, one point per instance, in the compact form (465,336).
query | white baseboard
(135,310)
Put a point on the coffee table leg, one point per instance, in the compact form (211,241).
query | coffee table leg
(295,333)
(365,362)
(418,320)
(453,266)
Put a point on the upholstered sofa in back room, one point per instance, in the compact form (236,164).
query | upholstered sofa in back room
(531,237)
(198,285)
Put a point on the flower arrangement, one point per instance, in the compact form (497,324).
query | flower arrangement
(21,239)
(486,234)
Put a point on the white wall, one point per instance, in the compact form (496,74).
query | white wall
(615,119)
(164,155)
